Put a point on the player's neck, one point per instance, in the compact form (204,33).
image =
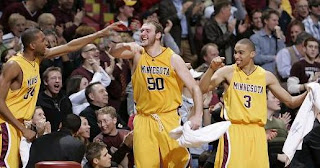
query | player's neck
(29,55)
(154,50)
(248,69)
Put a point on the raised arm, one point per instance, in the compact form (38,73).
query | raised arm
(213,76)
(10,73)
(78,43)
(125,50)
(282,94)
(183,72)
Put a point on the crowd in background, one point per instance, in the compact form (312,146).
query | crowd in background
(92,84)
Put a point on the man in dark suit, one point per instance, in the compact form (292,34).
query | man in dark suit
(59,146)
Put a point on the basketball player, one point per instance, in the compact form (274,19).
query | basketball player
(158,78)
(20,83)
(244,145)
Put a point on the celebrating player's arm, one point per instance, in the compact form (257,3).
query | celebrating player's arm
(184,74)
(215,75)
(281,93)
(78,43)
(127,51)
(11,77)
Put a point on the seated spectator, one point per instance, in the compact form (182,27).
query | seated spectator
(280,127)
(90,62)
(306,70)
(60,145)
(38,124)
(296,27)
(208,52)
(46,21)
(83,135)
(97,97)
(118,141)
(286,57)
(301,10)
(284,16)
(98,156)
(17,25)
(76,89)
(30,9)
(55,103)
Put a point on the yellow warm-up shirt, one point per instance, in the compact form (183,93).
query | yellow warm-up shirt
(22,102)
(245,99)
(156,86)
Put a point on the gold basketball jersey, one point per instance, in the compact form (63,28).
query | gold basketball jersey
(245,99)
(22,102)
(156,86)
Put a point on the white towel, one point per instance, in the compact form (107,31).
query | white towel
(303,122)
(195,138)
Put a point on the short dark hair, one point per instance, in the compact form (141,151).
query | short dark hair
(253,12)
(45,74)
(72,123)
(247,42)
(73,84)
(94,151)
(310,39)
(219,4)
(90,90)
(29,36)
(301,37)
(266,14)
(157,25)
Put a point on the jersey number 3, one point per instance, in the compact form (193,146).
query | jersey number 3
(247,102)
(155,83)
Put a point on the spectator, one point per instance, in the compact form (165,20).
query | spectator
(59,146)
(219,31)
(38,124)
(280,127)
(56,105)
(7,54)
(83,135)
(306,70)
(90,62)
(268,41)
(256,21)
(76,89)
(17,26)
(208,52)
(286,57)
(284,17)
(124,13)
(311,23)
(97,97)
(30,9)
(302,10)
(98,156)
(118,141)
(295,27)
(47,21)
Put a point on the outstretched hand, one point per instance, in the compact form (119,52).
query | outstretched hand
(108,30)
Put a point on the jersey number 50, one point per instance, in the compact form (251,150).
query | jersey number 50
(155,83)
